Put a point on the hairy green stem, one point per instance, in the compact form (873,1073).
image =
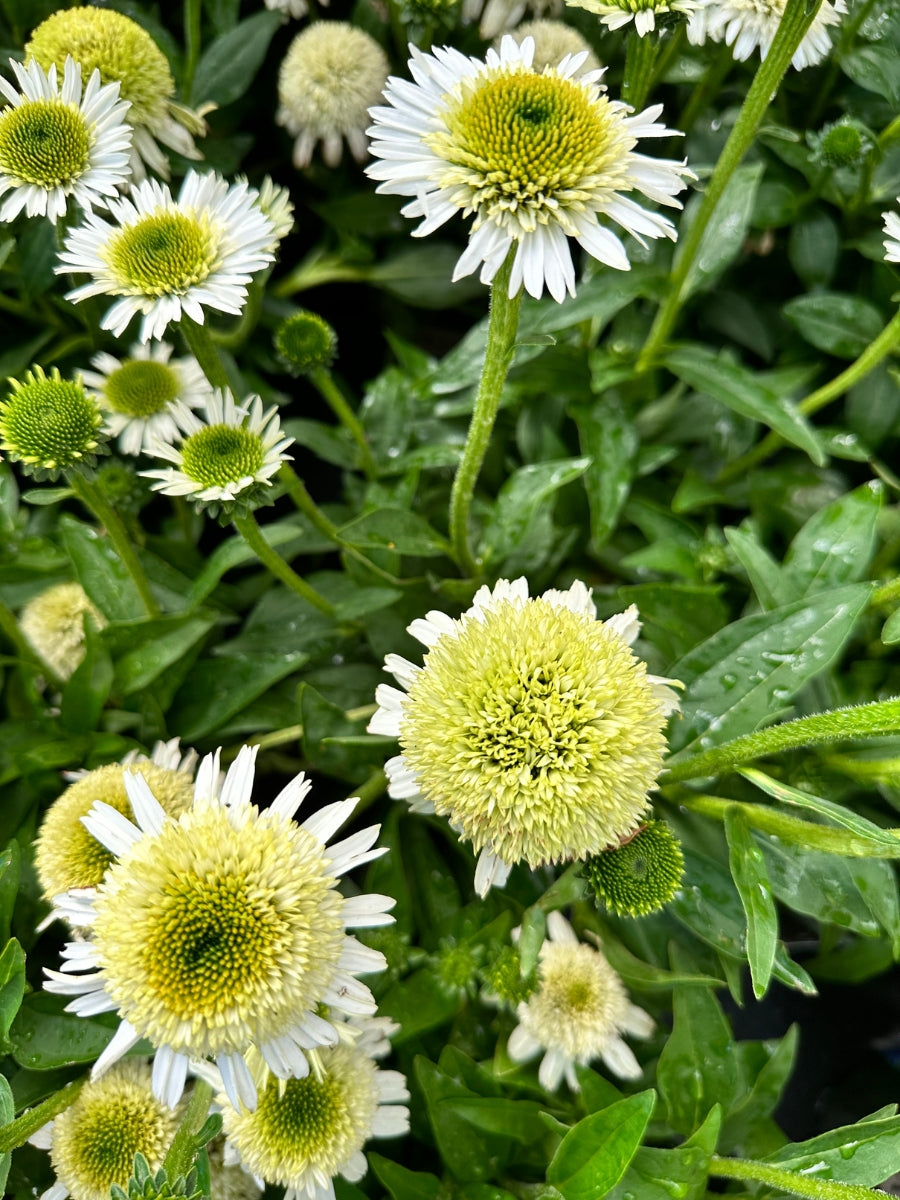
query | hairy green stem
(183,1150)
(873,354)
(201,345)
(323,381)
(887,594)
(316,269)
(794,24)
(250,531)
(17,1132)
(369,791)
(788,1181)
(94,500)
(640,62)
(498,355)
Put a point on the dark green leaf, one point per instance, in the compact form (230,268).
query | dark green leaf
(418,1004)
(835,545)
(153,646)
(86,692)
(835,323)
(403,1184)
(875,68)
(763,571)
(610,441)
(470,1154)
(43,1036)
(867,1153)
(37,252)
(394,529)
(639,974)
(742,1126)
(594,1154)
(100,572)
(219,688)
(12,987)
(518,1119)
(813,247)
(7,1113)
(524,494)
(10,872)
(748,869)
(229,64)
(671,1174)
(727,230)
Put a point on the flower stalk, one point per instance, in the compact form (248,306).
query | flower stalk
(17,1132)
(787,1181)
(640,64)
(323,381)
(250,531)
(201,345)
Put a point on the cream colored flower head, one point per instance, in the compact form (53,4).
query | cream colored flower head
(530,724)
(221,934)
(293,8)
(53,625)
(749,25)
(57,145)
(578,1013)
(553,41)
(892,236)
(503,16)
(167,258)
(93,1143)
(616,13)
(330,77)
(124,53)
(138,394)
(305,1133)
(536,157)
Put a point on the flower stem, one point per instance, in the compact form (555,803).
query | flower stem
(192,29)
(708,88)
(201,345)
(250,531)
(92,498)
(498,355)
(369,791)
(640,62)
(794,24)
(234,338)
(17,1132)
(183,1150)
(873,354)
(316,269)
(324,383)
(787,1181)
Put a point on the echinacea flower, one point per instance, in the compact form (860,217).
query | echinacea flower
(530,724)
(167,258)
(537,157)
(138,393)
(293,8)
(221,934)
(52,622)
(330,77)
(123,52)
(308,1131)
(49,424)
(892,236)
(230,456)
(57,145)
(616,13)
(92,1143)
(577,1014)
(503,16)
(553,41)
(748,25)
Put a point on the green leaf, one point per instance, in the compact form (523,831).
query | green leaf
(421,276)
(401,1183)
(229,64)
(740,389)
(740,677)
(727,230)
(646,977)
(36,251)
(7,1114)
(672,1174)
(394,529)
(825,808)
(875,68)
(88,688)
(741,1128)
(531,938)
(219,688)
(325,738)
(518,1119)
(470,1154)
(697,1067)
(10,873)
(12,987)
(100,572)
(748,870)
(813,247)
(594,1154)
(525,493)
(835,323)
(152,646)
(610,441)
(867,1153)
(762,570)
(417,1004)
(43,1036)
(835,545)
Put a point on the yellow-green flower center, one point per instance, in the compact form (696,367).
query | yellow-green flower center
(49,422)
(163,253)
(521,144)
(221,454)
(580,1001)
(95,1141)
(114,45)
(216,935)
(141,388)
(44,142)
(536,731)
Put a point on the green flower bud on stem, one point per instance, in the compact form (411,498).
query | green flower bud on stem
(641,875)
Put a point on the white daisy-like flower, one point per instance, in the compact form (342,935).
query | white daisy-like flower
(306,1132)
(221,934)
(138,394)
(748,25)
(294,8)
(578,1013)
(892,236)
(93,1143)
(124,53)
(233,453)
(530,724)
(52,622)
(57,145)
(167,258)
(537,157)
(616,13)
(330,77)
(502,16)
(553,40)
(275,203)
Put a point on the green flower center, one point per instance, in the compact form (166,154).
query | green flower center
(141,388)
(109,1137)
(305,342)
(164,253)
(50,423)
(308,1117)
(641,876)
(221,454)
(44,142)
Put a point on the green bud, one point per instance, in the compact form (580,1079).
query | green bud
(640,876)
(846,143)
(144,1185)
(502,978)
(457,964)
(305,343)
(49,424)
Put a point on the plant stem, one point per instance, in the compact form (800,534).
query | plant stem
(234,338)
(640,61)
(709,87)
(17,1132)
(498,355)
(323,381)
(885,595)
(369,791)
(795,21)
(316,269)
(192,28)
(873,354)
(201,345)
(787,1181)
(94,500)
(180,1157)
(250,531)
